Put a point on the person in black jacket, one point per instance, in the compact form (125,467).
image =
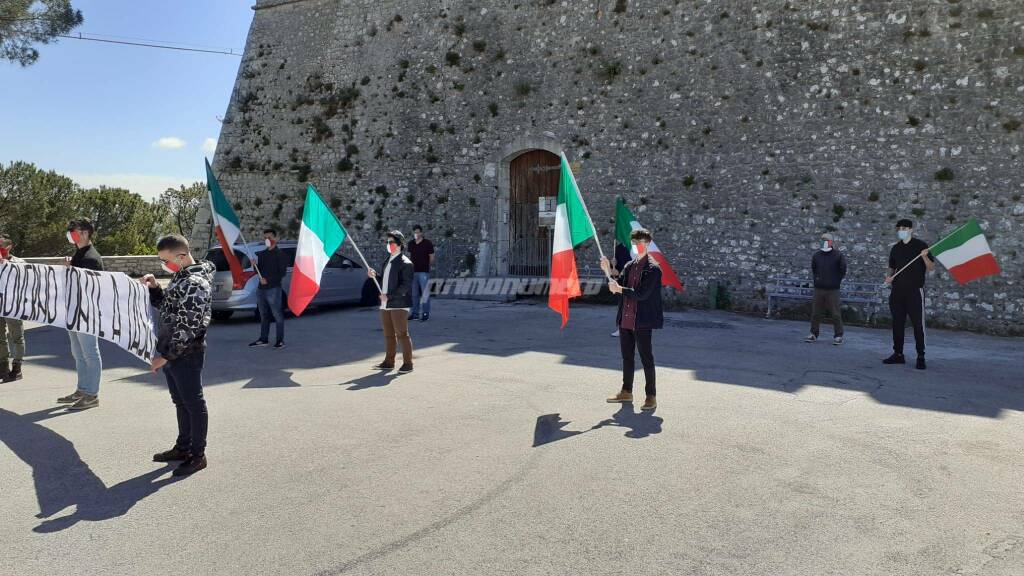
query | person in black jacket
(85,348)
(622,257)
(185,307)
(395,302)
(828,267)
(640,312)
(907,296)
(272,264)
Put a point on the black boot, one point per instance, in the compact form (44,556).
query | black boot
(15,373)
(5,371)
(896,358)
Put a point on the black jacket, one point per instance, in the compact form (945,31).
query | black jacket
(273,266)
(399,288)
(649,313)
(88,258)
(828,269)
(901,254)
(184,311)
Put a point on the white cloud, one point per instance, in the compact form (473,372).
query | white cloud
(149,186)
(169,143)
(209,145)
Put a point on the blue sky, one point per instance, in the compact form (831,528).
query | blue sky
(124,115)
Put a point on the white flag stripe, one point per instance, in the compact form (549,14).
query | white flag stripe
(562,239)
(311,244)
(976,246)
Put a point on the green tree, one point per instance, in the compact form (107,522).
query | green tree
(35,207)
(27,22)
(125,222)
(179,207)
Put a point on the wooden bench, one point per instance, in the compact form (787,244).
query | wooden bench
(867,294)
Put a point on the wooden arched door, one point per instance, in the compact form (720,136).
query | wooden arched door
(533,177)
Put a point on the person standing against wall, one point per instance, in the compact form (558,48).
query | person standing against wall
(422,252)
(828,268)
(84,347)
(12,330)
(622,257)
(907,296)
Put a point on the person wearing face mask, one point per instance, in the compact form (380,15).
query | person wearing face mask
(907,296)
(184,307)
(396,279)
(623,255)
(640,313)
(12,330)
(421,251)
(272,266)
(828,267)
(84,347)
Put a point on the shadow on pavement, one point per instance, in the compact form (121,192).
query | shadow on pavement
(62,479)
(551,428)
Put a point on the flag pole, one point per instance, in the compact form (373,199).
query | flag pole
(918,256)
(587,212)
(351,239)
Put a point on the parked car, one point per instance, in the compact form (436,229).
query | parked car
(344,281)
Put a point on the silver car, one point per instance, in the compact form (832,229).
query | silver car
(344,281)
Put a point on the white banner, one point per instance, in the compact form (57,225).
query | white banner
(109,305)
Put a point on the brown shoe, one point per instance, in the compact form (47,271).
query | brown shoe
(85,401)
(70,398)
(172,455)
(649,404)
(622,396)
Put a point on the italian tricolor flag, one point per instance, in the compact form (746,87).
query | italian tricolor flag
(572,228)
(625,223)
(319,237)
(225,225)
(965,253)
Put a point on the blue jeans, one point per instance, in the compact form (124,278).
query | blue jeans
(86,350)
(268,300)
(419,291)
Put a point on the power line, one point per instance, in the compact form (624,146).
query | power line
(149,45)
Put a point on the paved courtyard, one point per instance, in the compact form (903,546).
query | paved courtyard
(498,455)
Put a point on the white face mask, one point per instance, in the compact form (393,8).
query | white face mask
(825,247)
(904,235)
(268,243)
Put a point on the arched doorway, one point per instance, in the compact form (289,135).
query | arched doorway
(533,191)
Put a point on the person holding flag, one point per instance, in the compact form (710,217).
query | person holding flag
(395,302)
(908,262)
(640,312)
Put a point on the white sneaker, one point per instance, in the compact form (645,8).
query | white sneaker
(837,341)
(811,338)
(615,334)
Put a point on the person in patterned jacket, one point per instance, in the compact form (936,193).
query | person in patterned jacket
(181,346)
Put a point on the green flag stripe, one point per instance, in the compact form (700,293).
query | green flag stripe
(957,238)
(321,221)
(220,203)
(623,222)
(580,228)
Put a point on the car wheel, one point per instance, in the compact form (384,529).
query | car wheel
(221,315)
(370,294)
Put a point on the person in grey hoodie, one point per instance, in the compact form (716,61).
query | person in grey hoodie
(185,306)
(828,266)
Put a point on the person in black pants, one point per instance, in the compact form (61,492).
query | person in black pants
(640,312)
(185,306)
(273,265)
(907,296)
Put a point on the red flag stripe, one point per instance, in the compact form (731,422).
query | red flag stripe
(565,283)
(984,265)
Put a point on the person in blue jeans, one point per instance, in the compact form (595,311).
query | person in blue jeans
(85,348)
(421,251)
(273,265)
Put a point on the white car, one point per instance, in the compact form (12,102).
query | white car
(344,281)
